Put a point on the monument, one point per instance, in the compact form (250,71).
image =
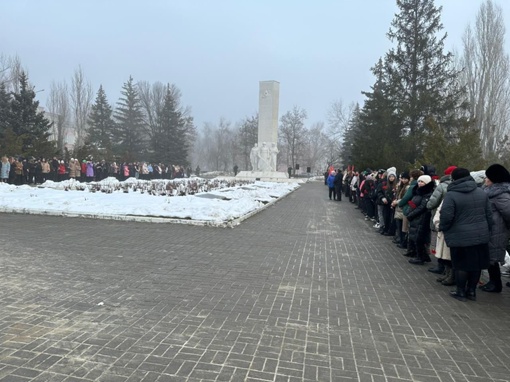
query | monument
(263,155)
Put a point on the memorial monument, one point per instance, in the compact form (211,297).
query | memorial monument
(263,155)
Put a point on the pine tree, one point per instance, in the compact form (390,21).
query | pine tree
(102,126)
(5,109)
(377,140)
(29,123)
(129,131)
(349,135)
(422,78)
(169,138)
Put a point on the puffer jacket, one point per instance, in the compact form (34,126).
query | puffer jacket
(438,196)
(418,214)
(499,197)
(466,216)
(331,180)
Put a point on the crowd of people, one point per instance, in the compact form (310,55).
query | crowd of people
(20,171)
(461,217)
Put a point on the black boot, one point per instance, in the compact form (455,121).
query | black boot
(471,294)
(446,274)
(459,294)
(495,284)
(472,282)
(439,268)
(461,278)
(411,249)
(450,280)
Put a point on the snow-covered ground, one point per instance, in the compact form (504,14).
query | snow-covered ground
(219,202)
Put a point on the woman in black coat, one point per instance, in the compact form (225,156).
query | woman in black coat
(466,220)
(419,217)
(497,182)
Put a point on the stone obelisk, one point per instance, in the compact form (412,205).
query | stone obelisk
(263,155)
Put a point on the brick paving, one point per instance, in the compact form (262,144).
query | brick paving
(306,290)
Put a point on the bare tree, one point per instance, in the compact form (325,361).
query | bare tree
(152,99)
(10,71)
(292,135)
(60,112)
(81,100)
(316,142)
(486,75)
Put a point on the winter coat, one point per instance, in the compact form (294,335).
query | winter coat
(466,216)
(368,188)
(90,170)
(442,250)
(331,181)
(382,186)
(74,169)
(45,167)
(61,169)
(4,172)
(418,214)
(408,195)
(438,196)
(499,197)
(401,191)
(338,179)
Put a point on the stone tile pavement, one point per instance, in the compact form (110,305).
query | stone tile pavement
(303,291)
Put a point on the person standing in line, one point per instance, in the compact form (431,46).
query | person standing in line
(6,168)
(466,220)
(337,182)
(497,188)
(331,185)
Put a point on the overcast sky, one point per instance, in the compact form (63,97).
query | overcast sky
(215,51)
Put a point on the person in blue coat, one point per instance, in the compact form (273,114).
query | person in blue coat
(331,184)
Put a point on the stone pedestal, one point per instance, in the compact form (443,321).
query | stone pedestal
(268,176)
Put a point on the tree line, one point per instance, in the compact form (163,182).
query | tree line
(148,122)
(426,105)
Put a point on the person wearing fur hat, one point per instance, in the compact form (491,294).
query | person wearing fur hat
(497,188)
(419,219)
(466,221)
(443,266)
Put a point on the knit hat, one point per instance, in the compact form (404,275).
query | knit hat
(425,179)
(449,170)
(478,176)
(405,175)
(390,173)
(460,172)
(497,173)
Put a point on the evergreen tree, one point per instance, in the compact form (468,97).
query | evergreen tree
(5,109)
(129,131)
(169,138)
(377,140)
(29,123)
(102,126)
(422,79)
(349,135)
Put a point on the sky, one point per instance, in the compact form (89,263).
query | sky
(220,207)
(215,51)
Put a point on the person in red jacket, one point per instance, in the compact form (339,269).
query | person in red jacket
(83,170)
(62,171)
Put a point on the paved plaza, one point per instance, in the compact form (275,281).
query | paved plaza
(305,290)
